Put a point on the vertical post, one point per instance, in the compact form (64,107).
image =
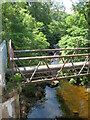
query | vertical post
(11,55)
(76,51)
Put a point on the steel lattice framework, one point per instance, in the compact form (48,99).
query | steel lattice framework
(44,70)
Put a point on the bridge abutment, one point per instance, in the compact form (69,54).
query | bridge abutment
(3,64)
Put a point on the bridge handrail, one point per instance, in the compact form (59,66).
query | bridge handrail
(47,50)
(49,57)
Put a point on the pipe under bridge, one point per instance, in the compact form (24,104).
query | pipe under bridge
(37,67)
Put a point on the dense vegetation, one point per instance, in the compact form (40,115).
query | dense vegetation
(41,25)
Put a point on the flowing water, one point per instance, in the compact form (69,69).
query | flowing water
(75,102)
(48,108)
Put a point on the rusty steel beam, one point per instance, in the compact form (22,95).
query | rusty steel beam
(47,50)
(59,78)
(44,68)
(48,57)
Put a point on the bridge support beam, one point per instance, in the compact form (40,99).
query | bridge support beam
(52,79)
(44,68)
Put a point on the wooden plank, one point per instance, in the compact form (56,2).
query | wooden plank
(47,50)
(44,68)
(52,79)
(48,57)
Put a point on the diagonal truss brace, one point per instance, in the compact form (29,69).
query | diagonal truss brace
(48,67)
(61,68)
(35,70)
(83,66)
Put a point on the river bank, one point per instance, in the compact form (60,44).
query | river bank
(30,95)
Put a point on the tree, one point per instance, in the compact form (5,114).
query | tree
(22,28)
(83,8)
(40,11)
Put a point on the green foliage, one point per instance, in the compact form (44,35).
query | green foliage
(83,80)
(37,25)
(80,81)
(75,35)
(40,11)
(70,42)
(76,31)
(22,28)
(16,84)
(72,81)
(10,86)
(83,8)
(32,89)
(76,20)
(56,31)
(18,77)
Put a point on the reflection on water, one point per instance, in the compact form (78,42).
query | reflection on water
(49,108)
(76,98)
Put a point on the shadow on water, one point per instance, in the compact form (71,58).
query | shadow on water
(48,107)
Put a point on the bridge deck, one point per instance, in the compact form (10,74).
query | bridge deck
(52,67)
(52,79)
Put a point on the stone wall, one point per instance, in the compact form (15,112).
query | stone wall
(10,108)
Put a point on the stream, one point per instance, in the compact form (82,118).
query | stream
(48,107)
(74,103)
